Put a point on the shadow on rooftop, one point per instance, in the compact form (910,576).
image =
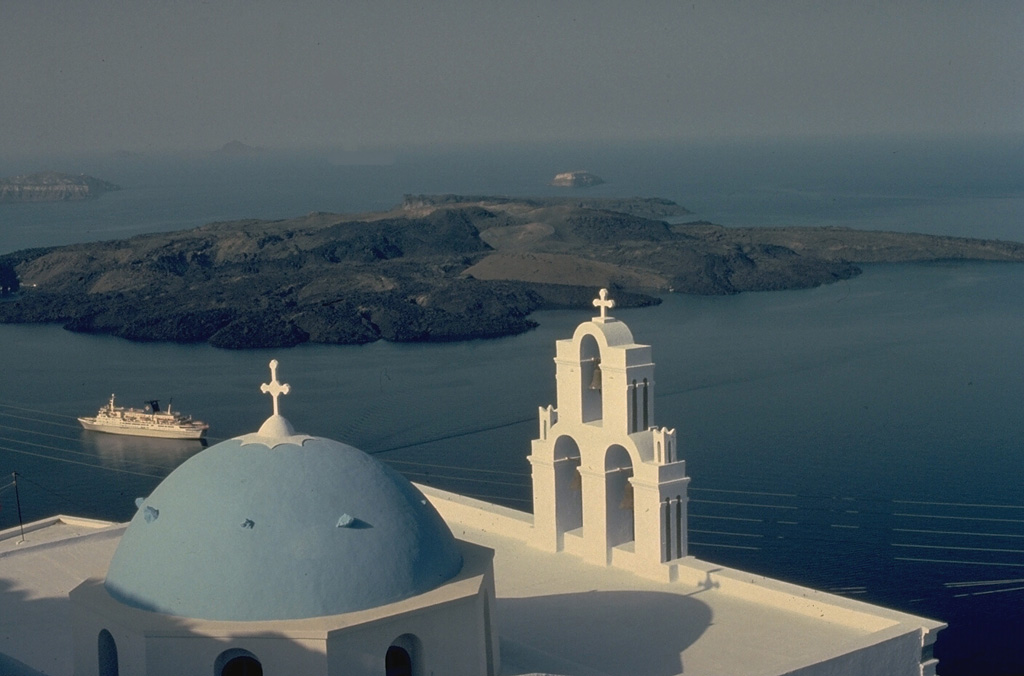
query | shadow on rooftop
(26,650)
(619,633)
(36,638)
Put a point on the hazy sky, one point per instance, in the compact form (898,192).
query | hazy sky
(149,75)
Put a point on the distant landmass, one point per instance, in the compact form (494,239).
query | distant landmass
(435,268)
(52,186)
(576,179)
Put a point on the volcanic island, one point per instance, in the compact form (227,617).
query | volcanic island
(434,268)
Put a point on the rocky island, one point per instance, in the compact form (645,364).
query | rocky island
(435,268)
(576,179)
(52,186)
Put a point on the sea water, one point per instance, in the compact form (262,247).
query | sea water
(862,437)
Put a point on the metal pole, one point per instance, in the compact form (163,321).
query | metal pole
(17,501)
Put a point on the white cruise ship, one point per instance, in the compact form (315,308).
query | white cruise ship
(148,422)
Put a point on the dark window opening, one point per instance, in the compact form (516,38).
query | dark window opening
(397,662)
(242,666)
(107,651)
(646,417)
(633,417)
(666,508)
(679,526)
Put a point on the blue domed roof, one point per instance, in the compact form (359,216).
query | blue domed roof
(277,526)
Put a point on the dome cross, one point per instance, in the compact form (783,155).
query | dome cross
(274,388)
(604,302)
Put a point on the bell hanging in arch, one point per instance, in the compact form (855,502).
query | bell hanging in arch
(627,496)
(595,382)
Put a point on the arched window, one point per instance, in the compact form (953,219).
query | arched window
(237,662)
(106,649)
(404,657)
(397,662)
(242,666)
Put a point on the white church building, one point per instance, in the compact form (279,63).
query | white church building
(280,553)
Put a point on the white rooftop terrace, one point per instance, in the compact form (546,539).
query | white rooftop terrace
(36,575)
(555,613)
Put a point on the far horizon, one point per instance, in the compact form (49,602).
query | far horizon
(1010,143)
(196,75)
(234,148)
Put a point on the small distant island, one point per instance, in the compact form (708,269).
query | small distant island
(52,186)
(576,179)
(434,268)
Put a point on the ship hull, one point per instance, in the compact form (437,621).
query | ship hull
(139,431)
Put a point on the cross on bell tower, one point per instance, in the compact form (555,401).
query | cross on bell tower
(604,303)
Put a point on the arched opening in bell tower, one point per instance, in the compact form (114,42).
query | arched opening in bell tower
(590,379)
(568,486)
(618,470)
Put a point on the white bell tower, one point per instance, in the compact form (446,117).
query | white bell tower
(608,484)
